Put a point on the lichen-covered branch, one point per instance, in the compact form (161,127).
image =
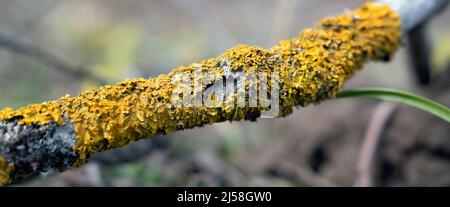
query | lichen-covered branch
(312,67)
(47,58)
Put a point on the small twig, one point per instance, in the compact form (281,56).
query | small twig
(35,17)
(371,142)
(419,45)
(47,58)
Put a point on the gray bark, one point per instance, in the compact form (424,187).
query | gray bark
(41,148)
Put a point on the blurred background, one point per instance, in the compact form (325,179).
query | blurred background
(49,48)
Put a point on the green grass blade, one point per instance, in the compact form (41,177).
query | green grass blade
(419,102)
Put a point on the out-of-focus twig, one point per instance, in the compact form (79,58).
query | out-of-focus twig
(372,139)
(132,151)
(34,17)
(47,58)
(419,46)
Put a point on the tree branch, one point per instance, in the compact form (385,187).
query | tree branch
(310,68)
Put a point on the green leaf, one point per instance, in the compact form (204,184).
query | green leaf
(419,102)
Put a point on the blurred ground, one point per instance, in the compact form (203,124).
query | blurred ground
(318,145)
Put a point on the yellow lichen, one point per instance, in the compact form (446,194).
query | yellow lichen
(36,113)
(311,68)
